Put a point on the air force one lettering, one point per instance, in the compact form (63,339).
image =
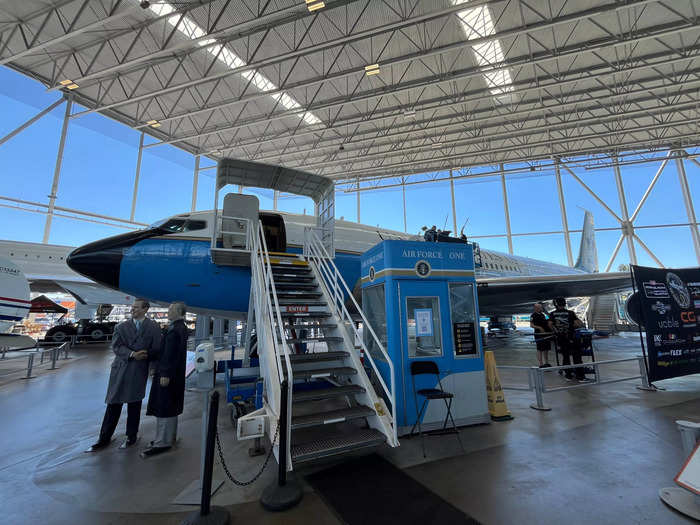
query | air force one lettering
(172,261)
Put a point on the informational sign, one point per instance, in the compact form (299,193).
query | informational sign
(669,303)
(424,322)
(689,476)
(464,339)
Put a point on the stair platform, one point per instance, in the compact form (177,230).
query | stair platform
(337,444)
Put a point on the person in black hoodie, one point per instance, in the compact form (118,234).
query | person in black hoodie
(167,396)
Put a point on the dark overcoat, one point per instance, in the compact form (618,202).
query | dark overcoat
(168,401)
(128,377)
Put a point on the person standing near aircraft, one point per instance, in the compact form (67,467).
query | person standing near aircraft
(564,323)
(167,397)
(134,342)
(540,323)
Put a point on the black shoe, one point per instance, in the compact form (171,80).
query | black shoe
(128,442)
(153,451)
(546,365)
(98,446)
(569,378)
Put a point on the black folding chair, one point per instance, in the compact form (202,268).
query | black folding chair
(429,367)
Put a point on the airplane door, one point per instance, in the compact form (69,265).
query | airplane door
(425,336)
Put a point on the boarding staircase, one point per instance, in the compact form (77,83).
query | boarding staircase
(316,388)
(603,312)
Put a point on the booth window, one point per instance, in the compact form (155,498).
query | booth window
(423,325)
(374,308)
(464,325)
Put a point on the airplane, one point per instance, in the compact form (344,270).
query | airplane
(171,261)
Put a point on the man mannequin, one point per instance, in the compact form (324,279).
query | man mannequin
(134,342)
(167,397)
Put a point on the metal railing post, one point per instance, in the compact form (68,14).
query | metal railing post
(646,385)
(54,356)
(30,365)
(3,350)
(539,388)
(68,347)
(41,358)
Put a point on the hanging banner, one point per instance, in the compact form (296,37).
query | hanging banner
(669,303)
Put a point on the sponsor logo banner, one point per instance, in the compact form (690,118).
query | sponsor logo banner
(670,306)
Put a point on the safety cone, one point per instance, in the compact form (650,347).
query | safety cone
(494,392)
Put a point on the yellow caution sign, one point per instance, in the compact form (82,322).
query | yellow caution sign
(494,392)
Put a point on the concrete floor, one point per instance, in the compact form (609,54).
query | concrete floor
(599,456)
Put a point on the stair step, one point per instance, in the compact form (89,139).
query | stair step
(324,372)
(306,315)
(332,416)
(327,339)
(301,294)
(301,302)
(278,263)
(327,393)
(310,326)
(336,444)
(281,286)
(315,357)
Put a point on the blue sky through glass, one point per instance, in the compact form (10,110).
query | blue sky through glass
(99,168)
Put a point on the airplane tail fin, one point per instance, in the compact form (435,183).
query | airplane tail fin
(588,254)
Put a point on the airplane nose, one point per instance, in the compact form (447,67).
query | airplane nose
(102,266)
(101,260)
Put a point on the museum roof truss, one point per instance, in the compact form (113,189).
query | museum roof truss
(373,88)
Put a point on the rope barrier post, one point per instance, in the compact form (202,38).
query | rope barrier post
(539,388)
(284,493)
(208,515)
(30,365)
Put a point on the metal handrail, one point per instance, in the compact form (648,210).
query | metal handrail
(269,312)
(219,232)
(316,252)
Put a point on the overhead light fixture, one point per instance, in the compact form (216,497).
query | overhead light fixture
(372,69)
(314,5)
(436,145)
(65,82)
(72,86)
(409,113)
(154,123)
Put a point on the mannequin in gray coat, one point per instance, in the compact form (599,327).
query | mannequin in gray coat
(134,343)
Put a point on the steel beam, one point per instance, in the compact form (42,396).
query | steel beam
(403,192)
(650,187)
(627,226)
(195,182)
(562,209)
(615,252)
(57,171)
(646,249)
(454,208)
(31,121)
(689,208)
(358,201)
(275,197)
(506,210)
(136,178)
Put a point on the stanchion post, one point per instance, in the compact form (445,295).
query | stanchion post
(646,385)
(285,493)
(30,365)
(539,387)
(208,515)
(54,356)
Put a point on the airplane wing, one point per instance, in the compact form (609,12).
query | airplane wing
(509,295)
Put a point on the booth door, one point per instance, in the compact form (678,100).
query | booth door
(424,323)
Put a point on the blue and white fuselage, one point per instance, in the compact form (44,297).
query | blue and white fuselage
(171,261)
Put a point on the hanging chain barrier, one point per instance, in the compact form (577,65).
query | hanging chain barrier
(262,469)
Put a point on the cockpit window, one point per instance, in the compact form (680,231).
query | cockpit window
(182,225)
